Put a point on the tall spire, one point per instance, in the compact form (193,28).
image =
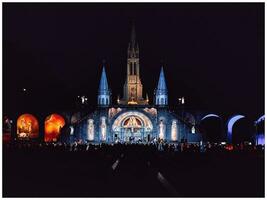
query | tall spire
(133,88)
(162,83)
(103,90)
(161,92)
(133,35)
(103,86)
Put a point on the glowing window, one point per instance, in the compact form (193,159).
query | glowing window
(53,125)
(161,130)
(146,122)
(27,127)
(132,122)
(90,129)
(193,130)
(174,131)
(103,129)
(71,130)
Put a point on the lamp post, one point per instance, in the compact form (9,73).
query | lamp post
(181,101)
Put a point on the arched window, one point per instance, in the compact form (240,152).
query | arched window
(161,130)
(27,127)
(174,131)
(53,125)
(103,129)
(132,122)
(90,129)
(230,125)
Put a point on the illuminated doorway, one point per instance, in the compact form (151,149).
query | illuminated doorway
(132,127)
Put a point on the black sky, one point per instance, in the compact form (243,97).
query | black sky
(213,54)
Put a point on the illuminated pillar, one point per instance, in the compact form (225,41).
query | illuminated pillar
(174,131)
(161,130)
(90,130)
(103,129)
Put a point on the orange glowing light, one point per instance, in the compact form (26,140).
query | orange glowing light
(53,125)
(27,127)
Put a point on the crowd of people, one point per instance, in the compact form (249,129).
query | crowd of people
(83,168)
(79,146)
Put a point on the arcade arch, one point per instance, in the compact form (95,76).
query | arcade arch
(132,126)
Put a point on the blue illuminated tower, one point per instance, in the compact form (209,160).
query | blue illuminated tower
(103,98)
(161,92)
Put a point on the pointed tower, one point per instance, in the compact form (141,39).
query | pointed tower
(133,88)
(103,98)
(161,92)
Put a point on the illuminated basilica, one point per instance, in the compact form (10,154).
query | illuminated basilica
(133,119)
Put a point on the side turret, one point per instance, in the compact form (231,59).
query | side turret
(161,92)
(103,97)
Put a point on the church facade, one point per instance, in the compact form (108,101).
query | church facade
(133,118)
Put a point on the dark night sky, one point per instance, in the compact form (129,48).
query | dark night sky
(213,53)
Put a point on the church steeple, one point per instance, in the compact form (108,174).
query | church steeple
(133,49)
(162,83)
(103,90)
(133,36)
(133,89)
(103,86)
(161,92)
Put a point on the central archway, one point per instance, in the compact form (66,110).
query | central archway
(132,126)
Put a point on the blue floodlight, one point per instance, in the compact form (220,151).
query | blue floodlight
(230,125)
